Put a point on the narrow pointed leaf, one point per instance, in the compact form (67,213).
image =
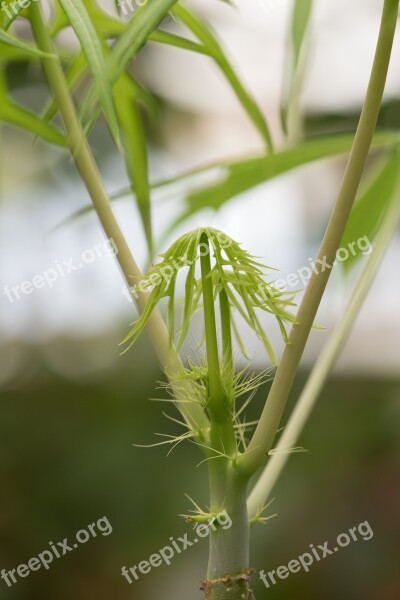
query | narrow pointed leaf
(16,12)
(188,306)
(204,33)
(15,115)
(294,71)
(144,21)
(233,178)
(243,175)
(93,49)
(10,40)
(177,41)
(370,208)
(135,150)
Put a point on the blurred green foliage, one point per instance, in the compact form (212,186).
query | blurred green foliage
(66,459)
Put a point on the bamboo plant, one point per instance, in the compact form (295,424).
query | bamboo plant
(223,281)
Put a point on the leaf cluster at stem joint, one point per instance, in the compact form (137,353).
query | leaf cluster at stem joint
(234,271)
(239,388)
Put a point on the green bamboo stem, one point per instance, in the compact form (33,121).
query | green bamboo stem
(89,173)
(265,432)
(326,361)
(228,565)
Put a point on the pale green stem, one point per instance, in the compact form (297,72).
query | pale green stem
(88,171)
(324,364)
(265,432)
(222,435)
(228,565)
(229,548)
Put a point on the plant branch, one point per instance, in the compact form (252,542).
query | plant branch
(265,432)
(89,173)
(325,363)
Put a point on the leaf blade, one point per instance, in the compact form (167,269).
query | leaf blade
(135,151)
(92,47)
(144,21)
(371,207)
(244,175)
(294,71)
(19,117)
(209,41)
(10,40)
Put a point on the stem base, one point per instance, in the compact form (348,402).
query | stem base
(231,587)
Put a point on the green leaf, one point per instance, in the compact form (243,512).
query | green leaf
(232,178)
(76,72)
(144,21)
(59,20)
(135,150)
(3,83)
(237,177)
(188,306)
(371,206)
(235,271)
(295,64)
(93,49)
(204,33)
(177,41)
(301,19)
(10,40)
(15,115)
(106,25)
(9,55)
(16,12)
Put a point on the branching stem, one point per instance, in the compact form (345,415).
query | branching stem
(325,363)
(264,435)
(88,171)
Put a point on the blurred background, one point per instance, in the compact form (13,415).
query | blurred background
(71,406)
